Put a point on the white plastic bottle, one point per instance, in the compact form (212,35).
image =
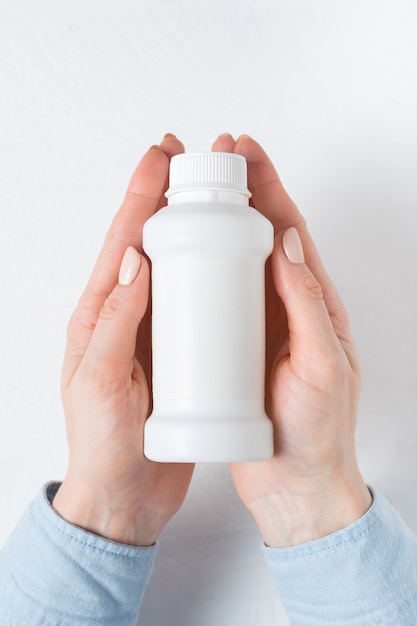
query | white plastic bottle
(208,249)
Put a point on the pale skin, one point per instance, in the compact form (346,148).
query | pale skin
(312,486)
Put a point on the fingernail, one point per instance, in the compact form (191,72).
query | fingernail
(168,135)
(129,267)
(224,135)
(244,136)
(292,246)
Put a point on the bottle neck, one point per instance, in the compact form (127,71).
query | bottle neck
(217,196)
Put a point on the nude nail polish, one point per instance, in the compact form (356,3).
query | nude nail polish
(129,267)
(292,246)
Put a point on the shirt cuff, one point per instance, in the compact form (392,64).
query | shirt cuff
(363,574)
(55,572)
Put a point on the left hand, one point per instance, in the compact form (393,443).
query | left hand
(312,486)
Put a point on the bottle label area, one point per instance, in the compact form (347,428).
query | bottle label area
(208,329)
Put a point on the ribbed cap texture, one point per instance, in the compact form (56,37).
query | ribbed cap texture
(212,170)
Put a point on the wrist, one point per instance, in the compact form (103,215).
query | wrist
(98,515)
(287,520)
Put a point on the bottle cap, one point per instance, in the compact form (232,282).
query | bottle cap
(209,170)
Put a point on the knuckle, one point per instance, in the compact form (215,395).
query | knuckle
(109,384)
(313,287)
(81,324)
(325,368)
(334,371)
(111,308)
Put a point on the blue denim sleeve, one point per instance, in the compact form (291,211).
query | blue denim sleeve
(52,572)
(365,574)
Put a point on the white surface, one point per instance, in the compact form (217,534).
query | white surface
(329,88)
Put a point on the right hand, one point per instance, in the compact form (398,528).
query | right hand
(110,488)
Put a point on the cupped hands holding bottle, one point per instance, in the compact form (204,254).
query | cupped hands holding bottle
(312,485)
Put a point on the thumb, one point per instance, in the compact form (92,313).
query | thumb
(312,339)
(113,342)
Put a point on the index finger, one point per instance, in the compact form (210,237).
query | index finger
(272,200)
(142,199)
(268,193)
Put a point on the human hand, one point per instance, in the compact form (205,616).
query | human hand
(110,487)
(312,485)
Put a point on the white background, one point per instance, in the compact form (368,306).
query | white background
(330,90)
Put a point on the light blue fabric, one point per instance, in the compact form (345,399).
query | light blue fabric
(363,575)
(54,573)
